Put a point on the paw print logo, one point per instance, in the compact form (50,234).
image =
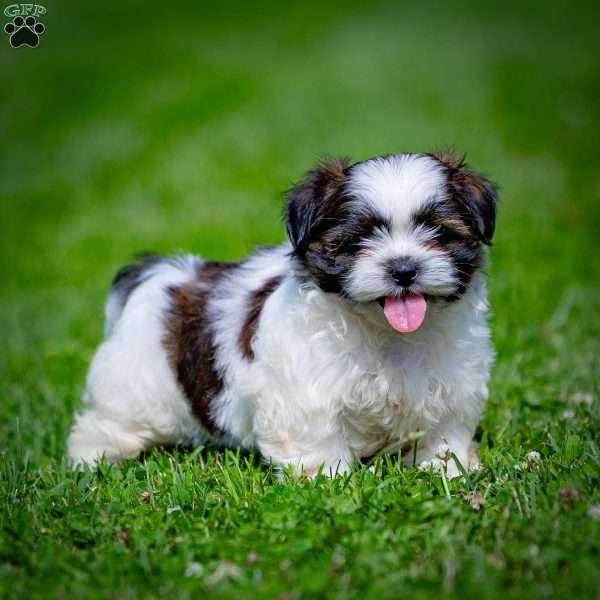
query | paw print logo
(24,32)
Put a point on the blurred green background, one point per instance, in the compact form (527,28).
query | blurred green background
(171,126)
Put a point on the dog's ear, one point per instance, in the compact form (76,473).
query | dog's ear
(480,198)
(313,200)
(476,196)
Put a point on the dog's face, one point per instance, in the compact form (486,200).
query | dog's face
(403,230)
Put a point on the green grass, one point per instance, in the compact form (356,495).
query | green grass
(167,128)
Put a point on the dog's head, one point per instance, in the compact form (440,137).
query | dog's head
(403,229)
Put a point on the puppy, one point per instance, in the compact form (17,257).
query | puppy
(369,325)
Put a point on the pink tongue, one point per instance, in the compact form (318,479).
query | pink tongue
(405,314)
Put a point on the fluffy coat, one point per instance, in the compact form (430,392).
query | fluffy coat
(290,352)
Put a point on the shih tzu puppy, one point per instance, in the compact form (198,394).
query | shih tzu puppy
(369,325)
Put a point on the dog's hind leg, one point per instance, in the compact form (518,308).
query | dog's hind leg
(97,437)
(132,399)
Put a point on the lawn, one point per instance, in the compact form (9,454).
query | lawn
(167,128)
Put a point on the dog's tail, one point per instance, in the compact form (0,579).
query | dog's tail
(165,270)
(125,281)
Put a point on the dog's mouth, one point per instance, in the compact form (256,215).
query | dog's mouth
(404,313)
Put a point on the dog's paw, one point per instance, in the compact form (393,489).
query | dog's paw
(444,461)
(311,470)
(24,32)
(473,462)
(436,465)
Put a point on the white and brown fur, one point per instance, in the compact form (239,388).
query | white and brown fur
(288,352)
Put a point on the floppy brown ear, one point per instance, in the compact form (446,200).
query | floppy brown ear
(311,201)
(475,194)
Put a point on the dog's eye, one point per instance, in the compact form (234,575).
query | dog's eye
(351,244)
(359,232)
(445,234)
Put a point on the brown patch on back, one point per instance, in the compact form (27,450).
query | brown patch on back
(257,301)
(189,340)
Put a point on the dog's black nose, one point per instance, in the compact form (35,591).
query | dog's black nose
(404,272)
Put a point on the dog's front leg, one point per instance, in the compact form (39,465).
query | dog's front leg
(436,448)
(309,443)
